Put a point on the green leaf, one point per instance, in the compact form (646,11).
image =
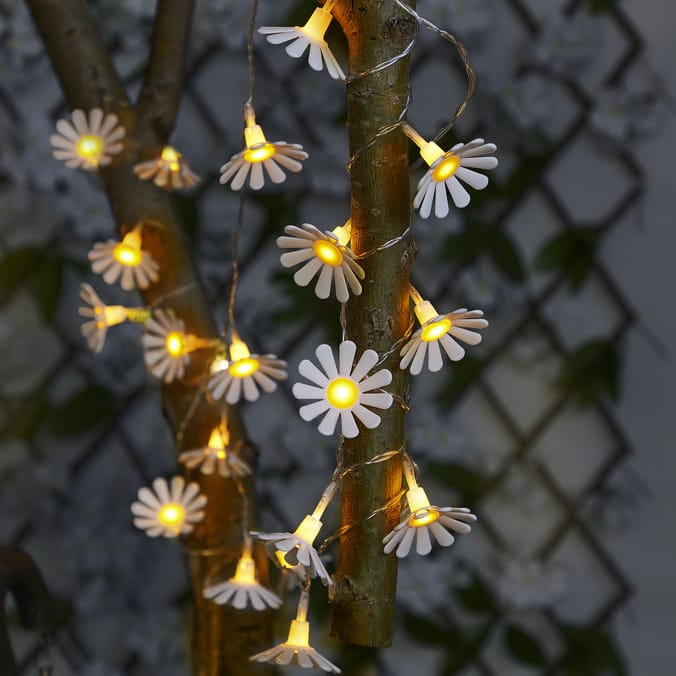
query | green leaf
(571,253)
(591,652)
(591,371)
(46,285)
(16,266)
(599,6)
(523,647)
(477,597)
(424,630)
(462,375)
(505,254)
(470,484)
(83,411)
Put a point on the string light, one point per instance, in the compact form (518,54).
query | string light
(323,253)
(293,549)
(309,35)
(167,347)
(87,142)
(446,171)
(168,510)
(125,261)
(424,518)
(343,391)
(216,456)
(244,373)
(259,154)
(243,588)
(296,650)
(169,171)
(438,330)
(104,316)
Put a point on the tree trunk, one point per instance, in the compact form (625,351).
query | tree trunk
(364,596)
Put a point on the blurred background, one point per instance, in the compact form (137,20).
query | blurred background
(556,430)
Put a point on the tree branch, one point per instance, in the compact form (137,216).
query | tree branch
(89,80)
(159,99)
(363,600)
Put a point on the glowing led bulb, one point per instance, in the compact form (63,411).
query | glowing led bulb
(342,393)
(171,515)
(170,155)
(128,251)
(175,343)
(242,364)
(246,569)
(327,253)
(89,147)
(259,154)
(446,168)
(435,330)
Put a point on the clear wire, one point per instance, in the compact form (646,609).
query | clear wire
(249,49)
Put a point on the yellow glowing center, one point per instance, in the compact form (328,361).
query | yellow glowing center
(435,330)
(171,515)
(259,154)
(327,252)
(170,156)
(175,343)
(221,454)
(90,147)
(447,167)
(423,517)
(342,393)
(243,367)
(127,255)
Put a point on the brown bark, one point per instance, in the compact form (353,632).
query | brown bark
(364,596)
(222,638)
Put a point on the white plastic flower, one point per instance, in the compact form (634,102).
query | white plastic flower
(243,589)
(343,391)
(296,650)
(167,347)
(125,261)
(325,251)
(103,316)
(169,171)
(87,143)
(447,170)
(259,154)
(441,330)
(168,510)
(297,549)
(423,519)
(312,35)
(244,373)
(216,456)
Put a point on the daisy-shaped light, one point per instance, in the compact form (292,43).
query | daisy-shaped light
(244,373)
(102,316)
(170,171)
(167,347)
(216,456)
(423,518)
(296,650)
(295,551)
(446,171)
(312,35)
(438,330)
(343,391)
(125,261)
(243,589)
(259,154)
(87,142)
(325,251)
(168,510)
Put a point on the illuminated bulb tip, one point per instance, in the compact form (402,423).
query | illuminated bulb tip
(169,154)
(175,343)
(243,367)
(327,253)
(436,330)
(89,147)
(246,570)
(259,154)
(215,439)
(221,454)
(299,634)
(127,255)
(446,168)
(171,514)
(423,517)
(342,393)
